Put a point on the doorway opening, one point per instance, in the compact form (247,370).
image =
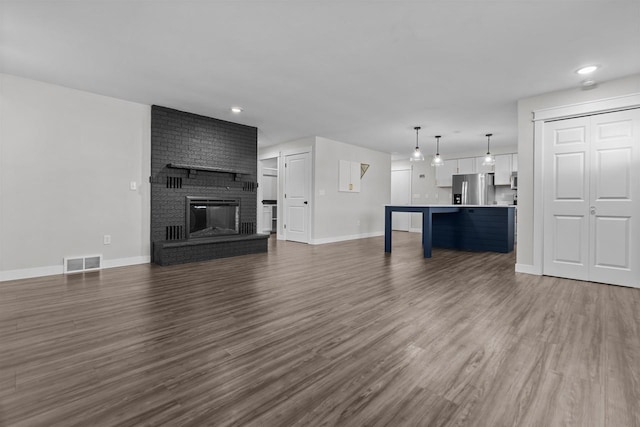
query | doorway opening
(268,205)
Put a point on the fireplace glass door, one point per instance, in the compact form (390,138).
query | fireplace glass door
(210,218)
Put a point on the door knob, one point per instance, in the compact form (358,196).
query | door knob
(306,203)
(592,209)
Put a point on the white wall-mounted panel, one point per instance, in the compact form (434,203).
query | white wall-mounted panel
(349,176)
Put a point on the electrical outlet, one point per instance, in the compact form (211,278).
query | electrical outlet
(357,222)
(133,185)
(107,239)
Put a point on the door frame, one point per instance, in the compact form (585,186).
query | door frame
(282,177)
(540,117)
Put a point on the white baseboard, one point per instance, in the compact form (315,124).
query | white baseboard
(344,238)
(411,230)
(123,262)
(51,270)
(29,273)
(527,269)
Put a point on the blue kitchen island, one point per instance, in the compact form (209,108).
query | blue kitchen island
(473,228)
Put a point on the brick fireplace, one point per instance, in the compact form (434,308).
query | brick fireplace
(203,188)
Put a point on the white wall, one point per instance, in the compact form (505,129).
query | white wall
(341,215)
(526,107)
(67,158)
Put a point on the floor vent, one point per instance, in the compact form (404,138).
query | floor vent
(83,263)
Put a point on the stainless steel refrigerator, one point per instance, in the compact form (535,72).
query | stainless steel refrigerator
(473,189)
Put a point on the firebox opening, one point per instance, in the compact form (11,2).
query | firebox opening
(210,218)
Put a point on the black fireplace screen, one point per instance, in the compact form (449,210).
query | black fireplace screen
(209,218)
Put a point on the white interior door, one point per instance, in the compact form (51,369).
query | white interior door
(401,195)
(566,217)
(297,191)
(615,195)
(591,206)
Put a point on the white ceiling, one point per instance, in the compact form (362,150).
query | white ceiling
(357,71)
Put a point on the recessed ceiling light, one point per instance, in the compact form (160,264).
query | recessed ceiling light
(587,70)
(236,110)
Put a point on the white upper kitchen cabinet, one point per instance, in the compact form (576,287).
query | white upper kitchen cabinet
(444,173)
(467,165)
(503,169)
(480,168)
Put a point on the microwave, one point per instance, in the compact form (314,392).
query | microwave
(514,180)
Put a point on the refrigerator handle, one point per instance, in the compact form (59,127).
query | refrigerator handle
(465,186)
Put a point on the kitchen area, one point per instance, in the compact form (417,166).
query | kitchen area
(461,204)
(505,175)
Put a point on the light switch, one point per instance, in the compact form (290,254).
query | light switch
(322,192)
(133,185)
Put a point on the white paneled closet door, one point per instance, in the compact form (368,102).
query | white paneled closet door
(592,198)
(566,207)
(615,198)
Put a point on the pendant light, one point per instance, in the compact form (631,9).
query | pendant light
(417,155)
(437,160)
(489,160)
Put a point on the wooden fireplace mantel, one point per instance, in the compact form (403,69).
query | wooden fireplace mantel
(193,169)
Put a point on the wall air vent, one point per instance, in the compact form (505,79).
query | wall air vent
(248,228)
(82,263)
(173,232)
(174,182)
(249,186)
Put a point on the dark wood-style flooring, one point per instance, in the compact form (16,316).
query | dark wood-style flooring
(336,334)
